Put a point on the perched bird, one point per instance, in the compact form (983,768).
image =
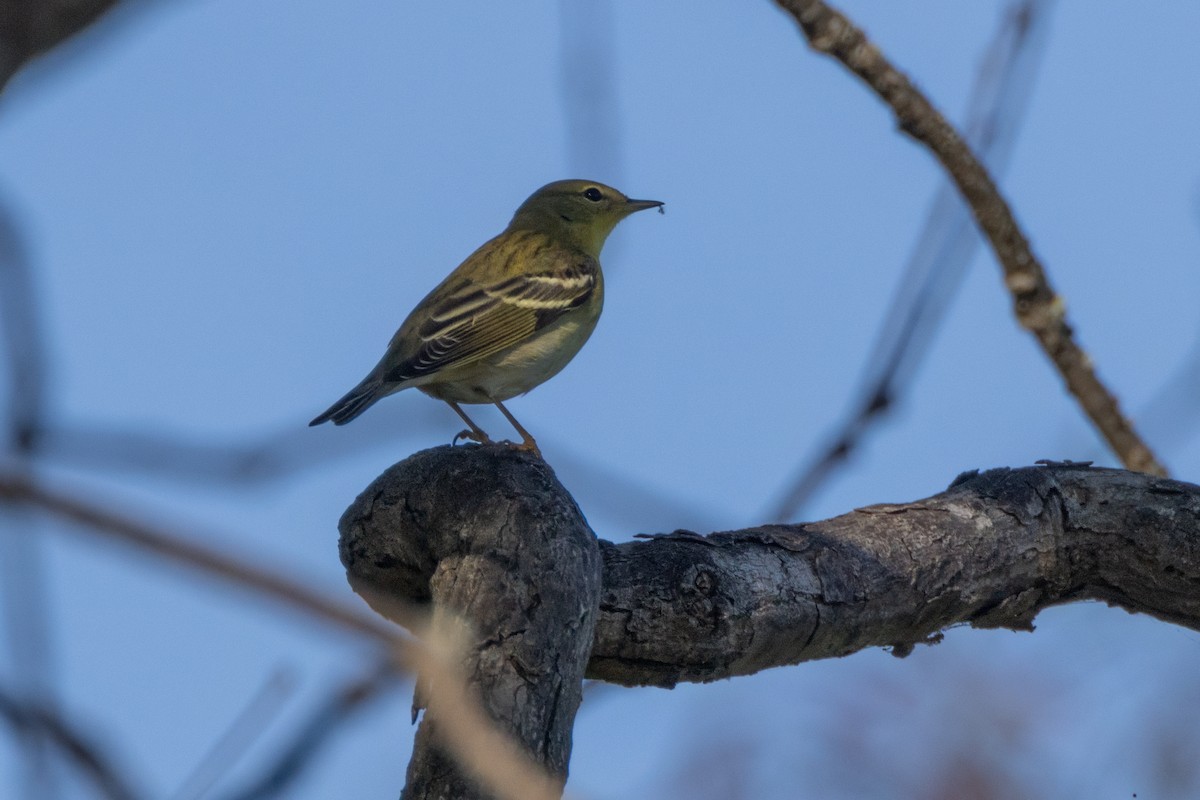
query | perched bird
(509,317)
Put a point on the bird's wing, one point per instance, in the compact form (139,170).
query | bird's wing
(480,320)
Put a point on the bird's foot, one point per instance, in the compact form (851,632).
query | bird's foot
(527,446)
(479,437)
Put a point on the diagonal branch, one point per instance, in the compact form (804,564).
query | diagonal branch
(322,726)
(83,750)
(944,249)
(1038,308)
(129,531)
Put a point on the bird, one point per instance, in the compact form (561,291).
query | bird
(510,316)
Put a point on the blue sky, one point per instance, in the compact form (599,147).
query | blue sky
(231,207)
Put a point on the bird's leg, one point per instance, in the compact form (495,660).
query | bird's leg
(475,433)
(529,443)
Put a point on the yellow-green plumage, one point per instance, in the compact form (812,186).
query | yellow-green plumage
(509,317)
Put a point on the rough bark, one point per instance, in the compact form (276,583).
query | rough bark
(992,551)
(488,534)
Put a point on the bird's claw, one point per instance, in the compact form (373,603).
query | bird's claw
(471,436)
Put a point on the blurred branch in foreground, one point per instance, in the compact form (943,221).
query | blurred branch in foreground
(247,462)
(945,247)
(296,449)
(246,727)
(24,340)
(29,28)
(323,725)
(1170,416)
(81,750)
(465,732)
(95,520)
(1037,307)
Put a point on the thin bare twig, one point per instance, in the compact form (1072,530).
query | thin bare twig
(24,342)
(278,587)
(944,249)
(588,89)
(245,461)
(1038,308)
(287,453)
(247,726)
(22,561)
(1172,413)
(80,749)
(328,720)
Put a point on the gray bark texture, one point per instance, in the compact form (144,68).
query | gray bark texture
(489,534)
(991,551)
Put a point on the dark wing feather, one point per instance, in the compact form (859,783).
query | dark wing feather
(478,321)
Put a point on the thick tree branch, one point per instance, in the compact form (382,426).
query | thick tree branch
(1038,308)
(991,551)
(490,537)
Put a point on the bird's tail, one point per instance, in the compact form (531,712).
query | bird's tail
(356,401)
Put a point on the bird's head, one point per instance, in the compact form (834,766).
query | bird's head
(583,212)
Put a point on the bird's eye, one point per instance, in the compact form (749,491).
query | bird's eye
(593,194)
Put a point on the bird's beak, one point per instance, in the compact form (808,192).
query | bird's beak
(641,205)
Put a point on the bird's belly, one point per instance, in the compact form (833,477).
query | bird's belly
(518,369)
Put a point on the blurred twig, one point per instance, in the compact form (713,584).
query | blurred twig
(494,757)
(1171,414)
(589,94)
(944,248)
(27,628)
(292,451)
(329,719)
(1038,308)
(29,28)
(276,586)
(22,563)
(85,753)
(267,457)
(24,342)
(246,727)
